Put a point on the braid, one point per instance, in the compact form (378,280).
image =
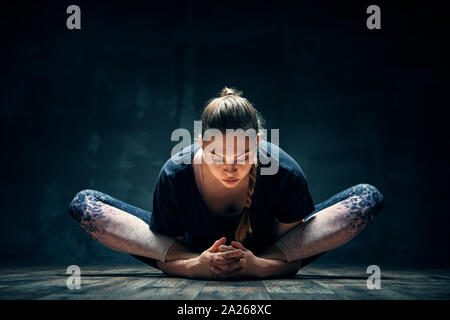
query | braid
(251,186)
(244,226)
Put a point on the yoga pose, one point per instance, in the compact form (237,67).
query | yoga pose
(216,216)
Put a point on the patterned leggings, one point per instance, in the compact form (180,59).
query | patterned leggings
(362,209)
(362,202)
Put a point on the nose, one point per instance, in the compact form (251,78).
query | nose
(230,168)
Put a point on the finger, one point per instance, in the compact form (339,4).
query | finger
(216,258)
(223,262)
(236,253)
(219,274)
(238,245)
(217,244)
(223,248)
(230,266)
(236,274)
(215,272)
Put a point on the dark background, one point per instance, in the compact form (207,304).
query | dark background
(95,108)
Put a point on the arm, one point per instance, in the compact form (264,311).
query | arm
(260,267)
(270,263)
(273,260)
(179,251)
(180,267)
(276,268)
(273,252)
(176,259)
(195,265)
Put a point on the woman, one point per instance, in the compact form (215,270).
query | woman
(216,216)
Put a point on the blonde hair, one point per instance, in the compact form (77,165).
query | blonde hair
(232,111)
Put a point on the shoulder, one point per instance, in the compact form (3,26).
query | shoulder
(179,165)
(282,164)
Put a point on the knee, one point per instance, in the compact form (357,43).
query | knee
(370,197)
(79,204)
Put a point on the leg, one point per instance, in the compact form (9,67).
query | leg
(119,226)
(333,223)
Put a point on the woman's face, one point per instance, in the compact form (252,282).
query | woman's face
(229,163)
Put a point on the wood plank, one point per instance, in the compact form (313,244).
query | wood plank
(229,290)
(145,282)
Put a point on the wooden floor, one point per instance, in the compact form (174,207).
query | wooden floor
(144,282)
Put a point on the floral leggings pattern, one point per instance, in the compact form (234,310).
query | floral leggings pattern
(363,202)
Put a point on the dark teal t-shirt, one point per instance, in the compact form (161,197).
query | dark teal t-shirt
(179,208)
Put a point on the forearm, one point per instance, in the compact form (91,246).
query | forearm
(276,268)
(178,251)
(176,260)
(192,268)
(275,264)
(274,253)
(178,267)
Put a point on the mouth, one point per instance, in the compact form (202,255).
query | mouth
(230,181)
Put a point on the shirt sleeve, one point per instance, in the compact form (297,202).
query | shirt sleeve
(295,199)
(164,219)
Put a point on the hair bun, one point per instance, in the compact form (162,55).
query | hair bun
(229,92)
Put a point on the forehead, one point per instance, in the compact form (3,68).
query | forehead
(229,143)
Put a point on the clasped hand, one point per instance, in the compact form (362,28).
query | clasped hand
(227,262)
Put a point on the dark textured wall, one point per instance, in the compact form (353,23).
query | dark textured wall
(95,108)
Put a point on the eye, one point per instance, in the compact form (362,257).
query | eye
(245,157)
(217,159)
(220,160)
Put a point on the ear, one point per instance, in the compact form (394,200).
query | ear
(199,138)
